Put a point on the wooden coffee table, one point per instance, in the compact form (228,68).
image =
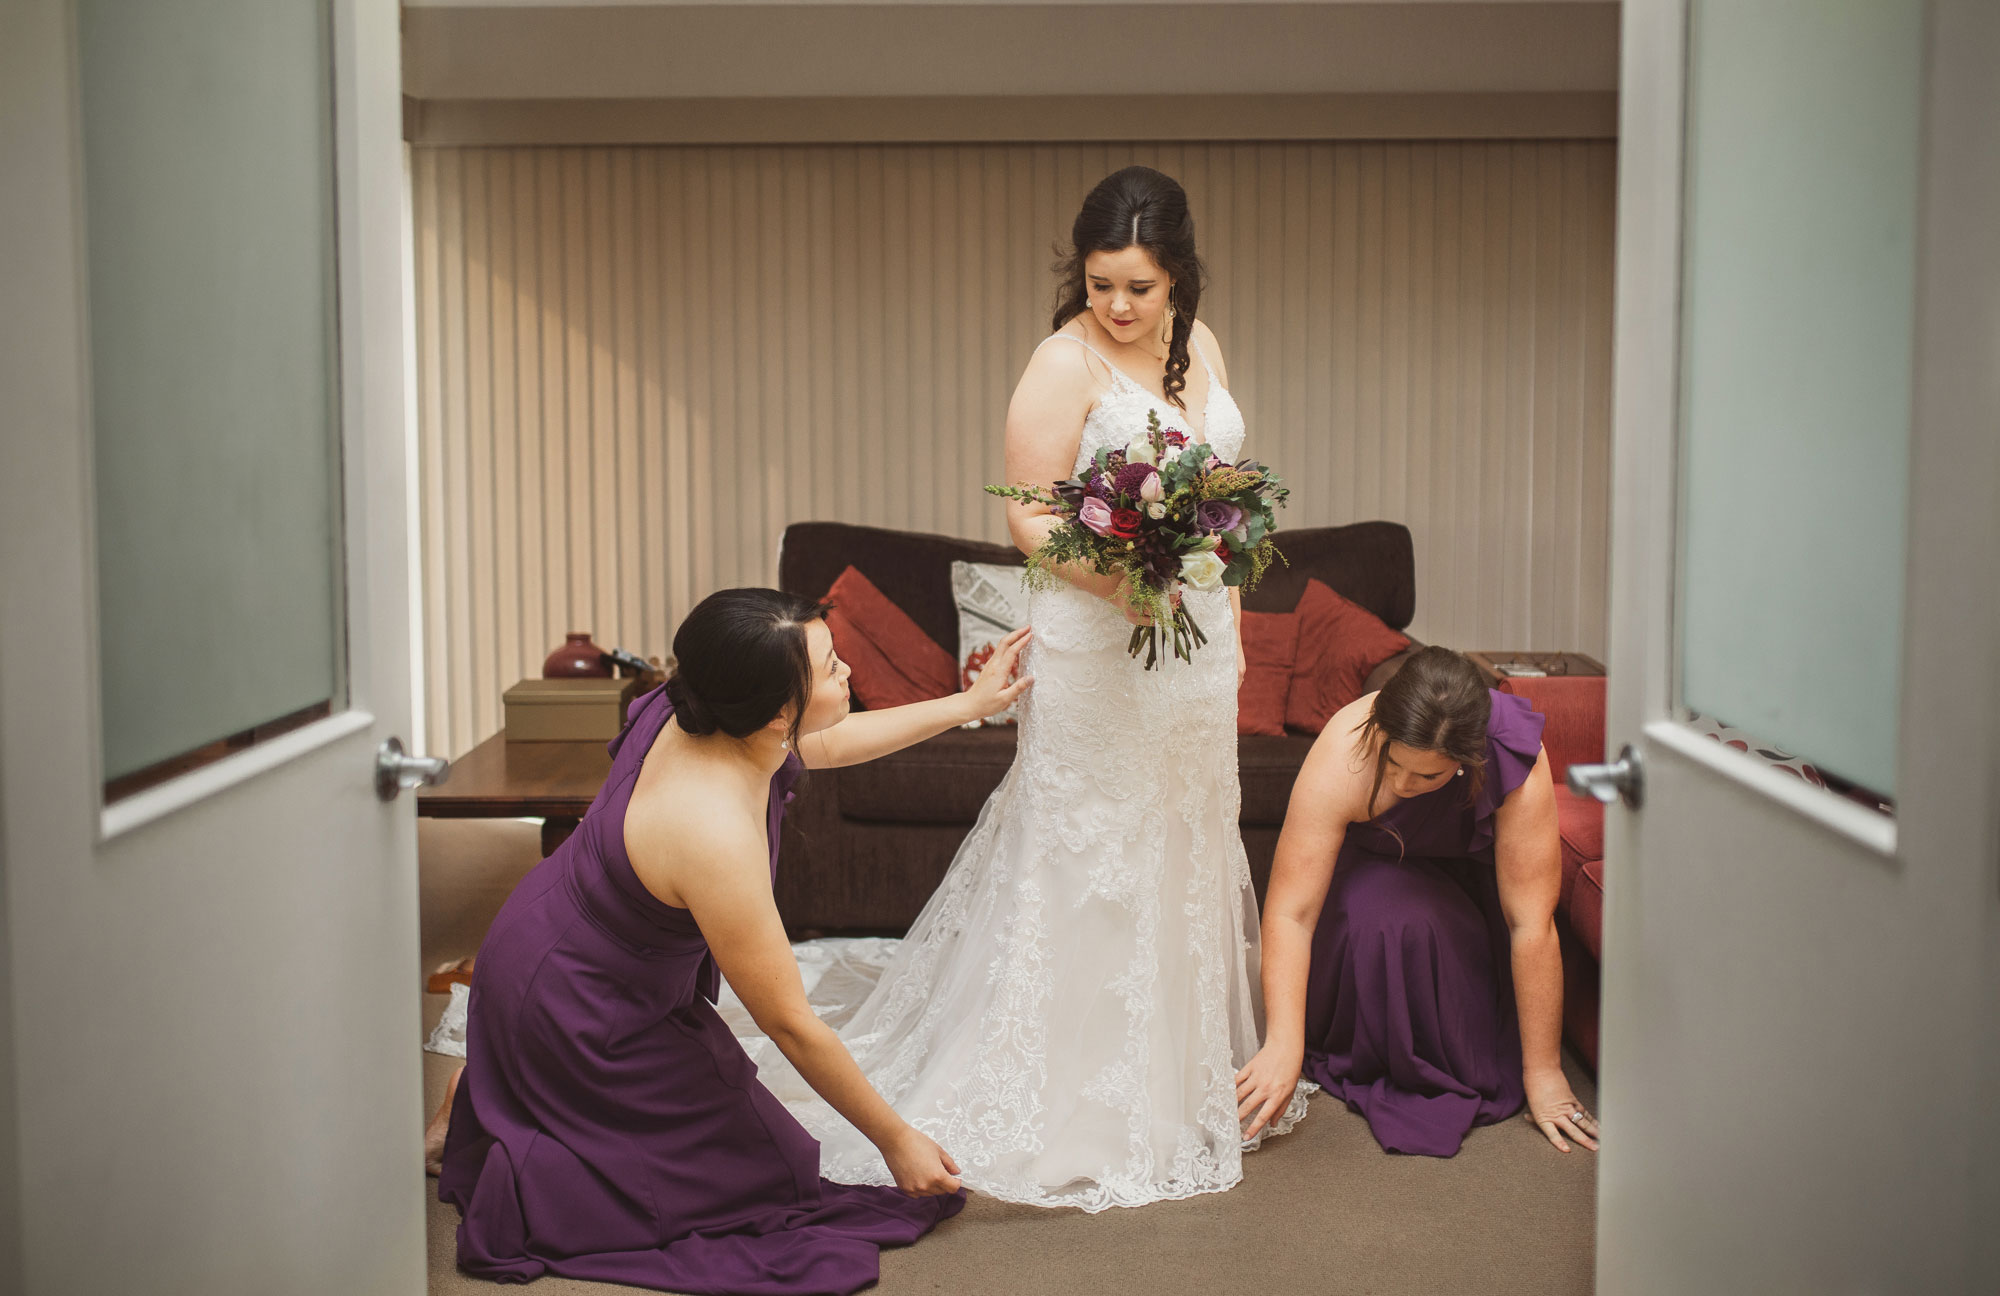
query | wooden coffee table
(1490,664)
(551,781)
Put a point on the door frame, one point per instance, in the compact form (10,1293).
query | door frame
(56,835)
(1941,854)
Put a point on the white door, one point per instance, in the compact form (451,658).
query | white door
(1799,1043)
(209,1070)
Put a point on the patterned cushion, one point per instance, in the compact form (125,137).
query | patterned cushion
(992,603)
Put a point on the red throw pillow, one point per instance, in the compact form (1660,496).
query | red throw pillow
(1270,643)
(893,661)
(1340,642)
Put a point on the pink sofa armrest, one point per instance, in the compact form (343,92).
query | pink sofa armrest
(1574,706)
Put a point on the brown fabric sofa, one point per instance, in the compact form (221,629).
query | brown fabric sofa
(863,848)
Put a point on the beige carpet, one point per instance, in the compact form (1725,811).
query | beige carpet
(1322,1211)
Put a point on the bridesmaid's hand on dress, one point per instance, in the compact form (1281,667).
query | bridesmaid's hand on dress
(920,1166)
(1265,1086)
(1553,1107)
(996,689)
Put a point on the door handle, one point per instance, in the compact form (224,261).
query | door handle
(1623,779)
(395,770)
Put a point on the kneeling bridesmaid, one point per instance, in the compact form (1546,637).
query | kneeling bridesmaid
(607,1125)
(1410,957)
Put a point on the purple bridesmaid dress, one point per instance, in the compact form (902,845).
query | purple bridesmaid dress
(608,1126)
(1410,1002)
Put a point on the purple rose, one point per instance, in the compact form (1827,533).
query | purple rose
(1217,515)
(1095,514)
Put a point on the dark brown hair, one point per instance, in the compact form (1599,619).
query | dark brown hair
(1138,207)
(740,659)
(1437,702)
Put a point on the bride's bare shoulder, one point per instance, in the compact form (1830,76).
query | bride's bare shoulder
(1059,378)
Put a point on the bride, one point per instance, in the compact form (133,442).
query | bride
(1069,1011)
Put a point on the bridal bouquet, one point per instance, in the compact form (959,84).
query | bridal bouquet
(1163,514)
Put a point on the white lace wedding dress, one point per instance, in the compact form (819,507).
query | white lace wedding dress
(1067,1015)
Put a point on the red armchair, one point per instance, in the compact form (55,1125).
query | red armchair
(1574,707)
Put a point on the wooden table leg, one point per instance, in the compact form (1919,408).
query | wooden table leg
(556,831)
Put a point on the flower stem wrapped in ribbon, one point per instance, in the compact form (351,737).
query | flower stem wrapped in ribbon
(1163,514)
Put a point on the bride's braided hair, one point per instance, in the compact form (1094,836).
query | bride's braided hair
(1138,207)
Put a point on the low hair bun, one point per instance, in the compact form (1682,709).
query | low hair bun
(742,662)
(689,710)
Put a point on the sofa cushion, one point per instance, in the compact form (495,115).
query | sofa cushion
(893,660)
(992,603)
(911,567)
(942,780)
(1268,767)
(1580,823)
(1372,563)
(1573,705)
(1270,645)
(1340,643)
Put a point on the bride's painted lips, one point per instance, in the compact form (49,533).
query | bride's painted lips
(1124,323)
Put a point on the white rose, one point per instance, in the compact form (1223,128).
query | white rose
(1141,451)
(1203,570)
(1156,511)
(1153,491)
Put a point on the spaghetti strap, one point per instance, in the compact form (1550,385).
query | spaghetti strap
(1117,374)
(1207,368)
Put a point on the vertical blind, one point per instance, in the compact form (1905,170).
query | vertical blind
(637,364)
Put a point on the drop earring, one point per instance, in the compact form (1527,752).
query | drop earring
(1167,327)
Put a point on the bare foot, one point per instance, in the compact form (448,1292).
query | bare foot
(440,1124)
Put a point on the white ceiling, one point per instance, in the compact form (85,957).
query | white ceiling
(630,49)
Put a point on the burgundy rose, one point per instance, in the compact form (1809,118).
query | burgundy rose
(1131,479)
(1124,524)
(1217,515)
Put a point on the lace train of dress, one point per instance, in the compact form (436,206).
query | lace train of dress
(1067,1014)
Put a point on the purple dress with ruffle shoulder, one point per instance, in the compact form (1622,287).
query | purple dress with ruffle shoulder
(608,1126)
(1410,1002)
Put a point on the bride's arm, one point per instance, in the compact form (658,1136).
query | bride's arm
(1044,428)
(867,734)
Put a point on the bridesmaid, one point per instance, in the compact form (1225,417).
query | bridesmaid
(607,1126)
(1410,958)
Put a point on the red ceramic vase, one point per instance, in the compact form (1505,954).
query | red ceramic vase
(578,658)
